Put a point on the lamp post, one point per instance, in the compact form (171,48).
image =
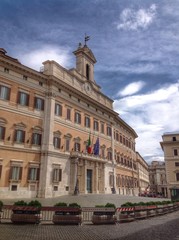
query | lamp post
(113,188)
(76,191)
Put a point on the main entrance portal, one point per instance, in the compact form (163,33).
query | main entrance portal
(89,180)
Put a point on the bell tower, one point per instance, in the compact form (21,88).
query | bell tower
(85,61)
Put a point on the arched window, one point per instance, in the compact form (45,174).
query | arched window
(87,71)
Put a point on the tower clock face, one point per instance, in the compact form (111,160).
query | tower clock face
(87,88)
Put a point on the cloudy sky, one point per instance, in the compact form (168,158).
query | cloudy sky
(135,42)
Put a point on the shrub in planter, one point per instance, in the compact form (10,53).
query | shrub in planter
(26,213)
(67,214)
(104,214)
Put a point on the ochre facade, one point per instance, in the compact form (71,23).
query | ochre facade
(48,119)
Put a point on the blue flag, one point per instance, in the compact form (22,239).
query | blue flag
(96,147)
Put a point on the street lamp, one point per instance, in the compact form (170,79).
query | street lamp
(113,188)
(76,191)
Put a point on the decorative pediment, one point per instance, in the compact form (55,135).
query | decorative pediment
(20,125)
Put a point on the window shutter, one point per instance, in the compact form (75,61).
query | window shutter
(20,173)
(0,170)
(8,93)
(53,175)
(43,103)
(10,173)
(38,174)
(18,97)
(23,136)
(15,135)
(28,175)
(60,175)
(40,139)
(80,118)
(27,99)
(35,102)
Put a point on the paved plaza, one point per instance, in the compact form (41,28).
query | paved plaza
(89,200)
(161,227)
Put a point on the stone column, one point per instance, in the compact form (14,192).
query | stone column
(45,188)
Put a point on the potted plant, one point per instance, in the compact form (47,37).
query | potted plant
(126,212)
(24,212)
(67,214)
(104,214)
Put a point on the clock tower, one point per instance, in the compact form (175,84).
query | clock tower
(85,61)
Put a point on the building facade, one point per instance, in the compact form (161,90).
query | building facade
(157,176)
(48,119)
(143,174)
(170,146)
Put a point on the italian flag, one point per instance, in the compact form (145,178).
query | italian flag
(89,147)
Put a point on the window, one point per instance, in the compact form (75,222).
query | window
(58,109)
(19,136)
(87,71)
(175,151)
(56,142)
(96,125)
(177,176)
(102,128)
(176,164)
(57,175)
(6,70)
(4,92)
(14,188)
(2,133)
(39,103)
(87,122)
(41,84)
(68,114)
(33,174)
(77,118)
(111,179)
(117,136)
(67,145)
(120,138)
(15,173)
(103,153)
(77,147)
(109,157)
(108,131)
(36,138)
(23,99)
(24,77)
(174,139)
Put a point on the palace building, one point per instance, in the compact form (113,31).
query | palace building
(59,133)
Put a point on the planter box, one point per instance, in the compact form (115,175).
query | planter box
(67,215)
(140,212)
(126,217)
(104,216)
(151,211)
(25,215)
(104,219)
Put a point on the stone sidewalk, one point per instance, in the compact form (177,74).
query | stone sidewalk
(162,227)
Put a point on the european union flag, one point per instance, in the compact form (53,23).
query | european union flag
(96,147)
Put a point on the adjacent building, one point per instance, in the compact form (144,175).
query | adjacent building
(157,177)
(170,146)
(59,133)
(143,174)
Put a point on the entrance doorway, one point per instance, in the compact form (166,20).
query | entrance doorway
(89,180)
